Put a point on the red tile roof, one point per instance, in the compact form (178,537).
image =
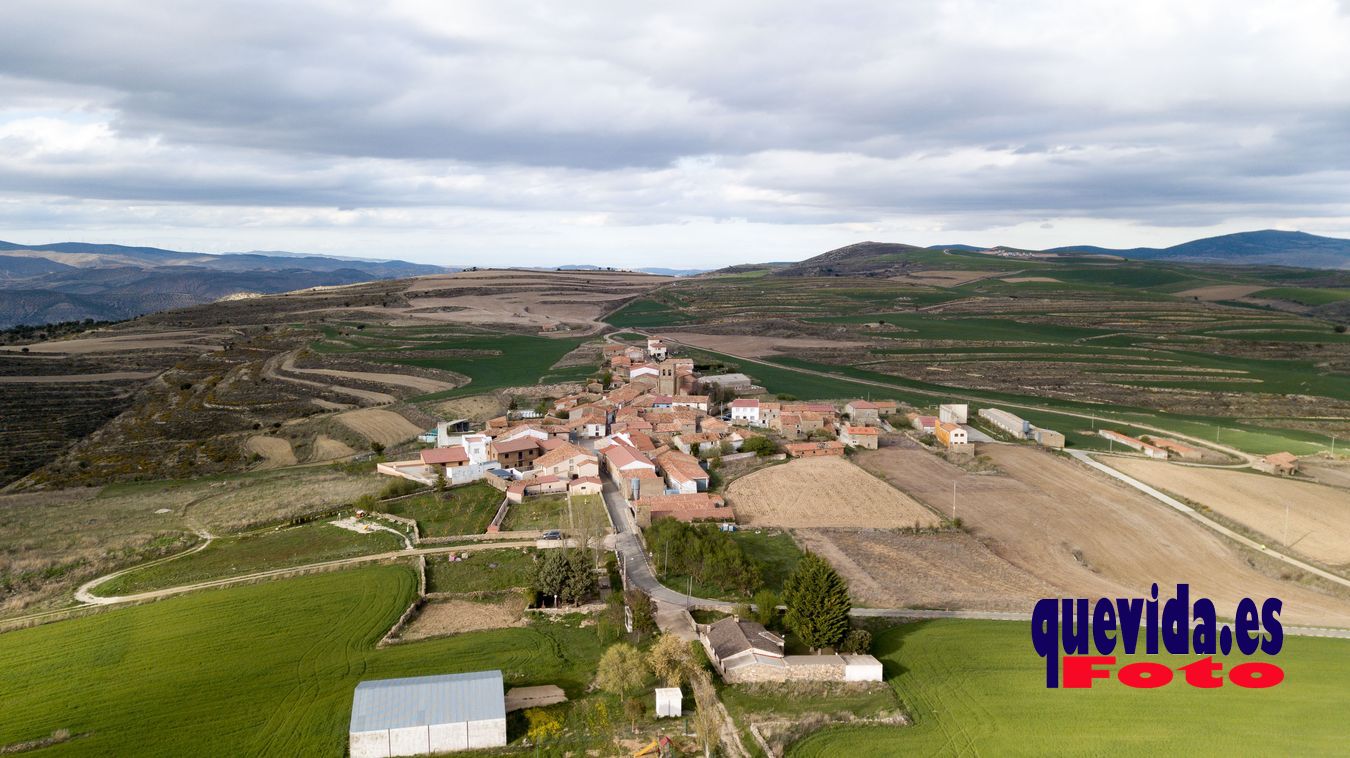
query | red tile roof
(440,455)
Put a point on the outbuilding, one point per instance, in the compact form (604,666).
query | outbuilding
(669,702)
(428,714)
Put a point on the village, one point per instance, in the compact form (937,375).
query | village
(649,434)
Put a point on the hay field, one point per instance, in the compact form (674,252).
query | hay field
(1090,536)
(823,492)
(1319,516)
(274,450)
(756,346)
(440,618)
(384,427)
(949,570)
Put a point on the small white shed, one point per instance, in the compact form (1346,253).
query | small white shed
(862,668)
(427,714)
(669,702)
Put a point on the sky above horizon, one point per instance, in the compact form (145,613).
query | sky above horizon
(488,133)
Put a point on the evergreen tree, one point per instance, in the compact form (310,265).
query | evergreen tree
(817,603)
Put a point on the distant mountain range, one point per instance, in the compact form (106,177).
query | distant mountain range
(1264,248)
(69,281)
(651,270)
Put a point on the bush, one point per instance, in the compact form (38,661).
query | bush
(766,607)
(761,446)
(398,488)
(857,641)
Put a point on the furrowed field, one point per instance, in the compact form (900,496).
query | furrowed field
(977,687)
(267,669)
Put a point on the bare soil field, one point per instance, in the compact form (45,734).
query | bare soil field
(421,384)
(1090,536)
(1222,291)
(384,427)
(1331,474)
(947,570)
(940,278)
(274,450)
(1319,517)
(131,341)
(756,346)
(110,376)
(439,618)
(474,407)
(326,449)
(823,492)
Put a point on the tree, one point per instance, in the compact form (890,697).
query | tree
(579,581)
(544,725)
(761,446)
(623,672)
(670,659)
(817,603)
(766,606)
(644,612)
(441,484)
(707,721)
(565,574)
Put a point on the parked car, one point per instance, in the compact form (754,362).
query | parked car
(553,534)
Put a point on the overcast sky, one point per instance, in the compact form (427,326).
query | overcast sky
(698,135)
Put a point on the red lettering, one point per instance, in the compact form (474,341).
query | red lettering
(1201,673)
(1145,675)
(1256,675)
(1080,670)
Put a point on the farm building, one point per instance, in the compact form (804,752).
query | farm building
(428,714)
(1048,438)
(859,436)
(954,413)
(1284,464)
(924,424)
(744,651)
(814,449)
(731,382)
(687,507)
(862,412)
(1178,449)
(1016,426)
(1152,451)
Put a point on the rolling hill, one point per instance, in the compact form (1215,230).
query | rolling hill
(70,281)
(1269,247)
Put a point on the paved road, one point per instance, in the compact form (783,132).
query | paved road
(633,562)
(1204,520)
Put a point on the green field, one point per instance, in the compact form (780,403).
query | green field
(775,552)
(491,360)
(267,669)
(459,510)
(546,512)
(978,688)
(483,571)
(645,312)
(1304,295)
(252,552)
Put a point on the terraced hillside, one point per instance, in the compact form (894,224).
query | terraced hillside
(273,380)
(1080,333)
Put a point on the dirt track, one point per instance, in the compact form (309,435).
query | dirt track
(1090,536)
(823,492)
(1319,517)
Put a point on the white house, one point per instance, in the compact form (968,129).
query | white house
(427,714)
(745,411)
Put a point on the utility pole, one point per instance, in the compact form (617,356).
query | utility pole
(953,500)
(1286,523)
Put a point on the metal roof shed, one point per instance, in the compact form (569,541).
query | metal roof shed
(428,714)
